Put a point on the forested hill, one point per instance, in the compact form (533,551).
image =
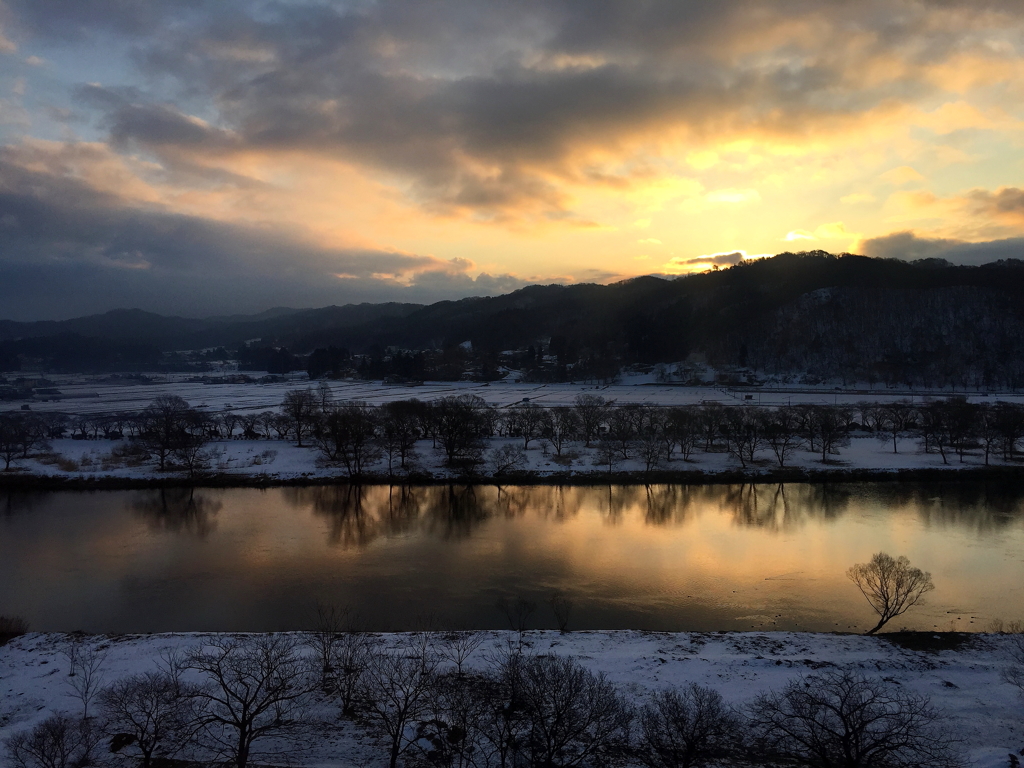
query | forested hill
(851,317)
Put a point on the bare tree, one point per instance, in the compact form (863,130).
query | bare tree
(148,714)
(173,664)
(164,425)
(591,410)
(324,395)
(894,419)
(608,455)
(451,730)
(346,434)
(683,429)
(651,447)
(622,429)
(457,424)
(60,741)
(394,691)
(192,439)
(528,421)
(330,622)
(399,431)
(742,430)
(1010,418)
(843,720)
(827,427)
(573,717)
(300,406)
(457,647)
(254,686)
(85,677)
(517,612)
(506,459)
(15,437)
(687,728)
(562,428)
(351,654)
(780,429)
(1014,673)
(562,607)
(890,585)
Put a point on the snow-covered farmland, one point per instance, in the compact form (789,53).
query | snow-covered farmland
(961,675)
(276,459)
(101,395)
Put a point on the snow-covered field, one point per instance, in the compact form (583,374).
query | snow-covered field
(283,460)
(100,395)
(963,682)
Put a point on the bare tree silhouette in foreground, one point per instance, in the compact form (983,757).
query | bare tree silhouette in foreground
(255,686)
(845,720)
(687,728)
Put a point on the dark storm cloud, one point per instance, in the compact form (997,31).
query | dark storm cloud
(66,249)
(909,247)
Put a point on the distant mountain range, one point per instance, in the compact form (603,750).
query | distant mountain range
(172,333)
(925,322)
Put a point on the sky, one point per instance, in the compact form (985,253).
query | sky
(199,157)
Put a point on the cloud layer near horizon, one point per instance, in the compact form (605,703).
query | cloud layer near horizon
(201,156)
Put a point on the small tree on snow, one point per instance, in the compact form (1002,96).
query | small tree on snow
(890,585)
(85,676)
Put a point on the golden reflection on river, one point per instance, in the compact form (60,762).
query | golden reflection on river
(654,557)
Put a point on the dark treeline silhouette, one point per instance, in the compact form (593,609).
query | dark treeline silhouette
(812,315)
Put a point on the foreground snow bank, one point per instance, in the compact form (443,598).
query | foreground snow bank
(962,674)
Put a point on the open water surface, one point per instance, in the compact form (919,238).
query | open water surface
(663,557)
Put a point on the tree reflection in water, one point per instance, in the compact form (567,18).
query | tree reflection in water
(981,507)
(177,510)
(16,502)
(455,511)
(359,515)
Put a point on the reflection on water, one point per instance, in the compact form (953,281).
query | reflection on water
(178,510)
(659,557)
(360,514)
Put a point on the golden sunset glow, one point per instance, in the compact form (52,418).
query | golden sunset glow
(345,151)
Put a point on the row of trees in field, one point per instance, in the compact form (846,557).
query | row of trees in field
(355,434)
(445,699)
(358,436)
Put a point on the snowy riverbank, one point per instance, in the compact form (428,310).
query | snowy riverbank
(961,674)
(240,463)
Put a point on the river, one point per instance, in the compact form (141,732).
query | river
(664,557)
